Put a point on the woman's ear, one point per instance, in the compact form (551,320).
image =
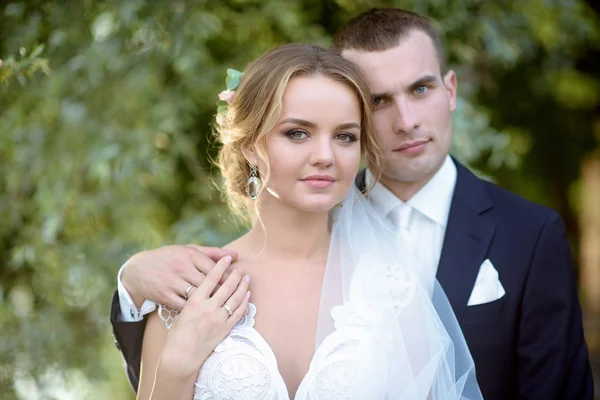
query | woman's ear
(250,155)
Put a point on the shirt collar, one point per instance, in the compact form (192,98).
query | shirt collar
(433,200)
(382,199)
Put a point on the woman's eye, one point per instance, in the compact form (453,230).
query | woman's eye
(377,101)
(346,137)
(297,135)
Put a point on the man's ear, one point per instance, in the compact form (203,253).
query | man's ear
(451,86)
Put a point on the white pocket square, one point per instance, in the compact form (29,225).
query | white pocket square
(487,285)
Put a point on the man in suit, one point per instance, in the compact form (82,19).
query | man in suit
(503,262)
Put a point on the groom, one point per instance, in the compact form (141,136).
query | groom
(503,262)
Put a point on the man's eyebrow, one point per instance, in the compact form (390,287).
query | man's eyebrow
(427,79)
(309,124)
(382,94)
(424,80)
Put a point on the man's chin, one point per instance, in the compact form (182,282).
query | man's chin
(413,171)
(406,166)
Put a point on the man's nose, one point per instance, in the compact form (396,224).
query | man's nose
(407,117)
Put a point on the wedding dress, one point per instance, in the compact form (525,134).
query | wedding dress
(379,336)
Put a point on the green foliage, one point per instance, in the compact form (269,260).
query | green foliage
(24,68)
(105,141)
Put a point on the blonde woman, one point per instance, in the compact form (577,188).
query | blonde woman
(328,305)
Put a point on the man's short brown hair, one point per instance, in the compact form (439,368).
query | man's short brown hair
(380,29)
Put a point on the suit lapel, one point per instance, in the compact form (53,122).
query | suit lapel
(360,181)
(468,236)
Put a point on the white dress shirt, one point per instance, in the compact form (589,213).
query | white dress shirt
(422,220)
(129,312)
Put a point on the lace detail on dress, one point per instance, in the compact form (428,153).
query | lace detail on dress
(248,319)
(167,314)
(342,368)
(235,370)
(243,366)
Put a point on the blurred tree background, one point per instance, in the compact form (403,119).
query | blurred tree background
(105,142)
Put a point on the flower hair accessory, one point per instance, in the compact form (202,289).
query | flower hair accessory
(226,96)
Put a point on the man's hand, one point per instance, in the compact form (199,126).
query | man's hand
(163,275)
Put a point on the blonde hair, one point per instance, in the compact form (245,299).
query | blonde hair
(257,107)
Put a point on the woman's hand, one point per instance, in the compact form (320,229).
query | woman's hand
(205,321)
(163,274)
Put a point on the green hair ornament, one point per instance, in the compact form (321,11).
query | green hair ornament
(226,96)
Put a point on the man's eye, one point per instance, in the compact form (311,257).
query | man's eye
(421,89)
(297,135)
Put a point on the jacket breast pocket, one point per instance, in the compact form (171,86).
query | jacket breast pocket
(493,311)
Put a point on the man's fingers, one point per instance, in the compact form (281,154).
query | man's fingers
(200,267)
(203,263)
(175,301)
(214,253)
(232,253)
(195,278)
(192,290)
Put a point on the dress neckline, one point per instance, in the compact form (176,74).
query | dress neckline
(247,324)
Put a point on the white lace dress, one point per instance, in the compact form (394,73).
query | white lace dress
(243,366)
(381,336)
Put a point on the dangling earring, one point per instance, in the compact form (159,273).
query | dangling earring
(253,184)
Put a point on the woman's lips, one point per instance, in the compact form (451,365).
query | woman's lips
(319,181)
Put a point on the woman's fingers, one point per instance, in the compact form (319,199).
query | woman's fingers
(212,278)
(235,300)
(240,311)
(231,284)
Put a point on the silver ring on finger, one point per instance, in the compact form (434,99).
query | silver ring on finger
(187,291)
(228,309)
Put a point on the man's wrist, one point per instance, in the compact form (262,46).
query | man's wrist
(128,269)
(130,311)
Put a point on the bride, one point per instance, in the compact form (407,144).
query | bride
(330,307)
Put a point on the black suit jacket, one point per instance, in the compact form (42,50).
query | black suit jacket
(529,344)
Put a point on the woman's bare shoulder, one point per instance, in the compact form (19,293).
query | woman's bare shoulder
(246,259)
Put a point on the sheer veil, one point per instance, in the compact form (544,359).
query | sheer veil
(406,344)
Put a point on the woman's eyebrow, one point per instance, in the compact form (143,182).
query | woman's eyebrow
(309,124)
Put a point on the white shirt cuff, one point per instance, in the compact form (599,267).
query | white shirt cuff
(129,312)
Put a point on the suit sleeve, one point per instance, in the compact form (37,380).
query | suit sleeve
(553,356)
(128,339)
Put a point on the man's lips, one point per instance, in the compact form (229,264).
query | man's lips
(318,181)
(412,147)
